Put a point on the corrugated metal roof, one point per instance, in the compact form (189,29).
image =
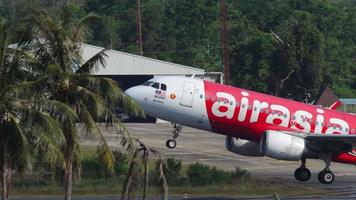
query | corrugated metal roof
(348,101)
(121,63)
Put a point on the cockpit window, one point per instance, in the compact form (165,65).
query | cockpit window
(163,87)
(155,85)
(148,83)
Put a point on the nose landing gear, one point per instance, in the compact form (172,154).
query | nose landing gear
(177,129)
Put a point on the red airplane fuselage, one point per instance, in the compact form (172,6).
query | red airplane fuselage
(247,115)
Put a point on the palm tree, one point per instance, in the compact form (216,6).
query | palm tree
(26,119)
(57,43)
(134,174)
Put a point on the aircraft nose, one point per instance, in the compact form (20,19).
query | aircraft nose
(132,92)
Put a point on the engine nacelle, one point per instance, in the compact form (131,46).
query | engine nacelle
(243,147)
(282,146)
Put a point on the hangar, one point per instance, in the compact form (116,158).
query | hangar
(130,69)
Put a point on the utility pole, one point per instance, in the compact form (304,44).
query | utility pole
(138,23)
(225,41)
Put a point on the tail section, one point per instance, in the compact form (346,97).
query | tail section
(329,100)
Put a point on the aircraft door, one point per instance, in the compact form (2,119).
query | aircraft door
(187,94)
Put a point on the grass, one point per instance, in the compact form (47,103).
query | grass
(113,185)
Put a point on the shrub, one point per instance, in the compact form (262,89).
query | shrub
(92,168)
(220,176)
(172,168)
(121,164)
(199,174)
(241,174)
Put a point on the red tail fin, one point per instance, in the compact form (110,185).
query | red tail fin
(329,100)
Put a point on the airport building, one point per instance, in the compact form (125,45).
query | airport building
(348,105)
(130,69)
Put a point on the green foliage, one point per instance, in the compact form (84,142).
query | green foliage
(172,171)
(287,48)
(200,174)
(92,168)
(283,47)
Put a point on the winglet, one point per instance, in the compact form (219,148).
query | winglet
(329,100)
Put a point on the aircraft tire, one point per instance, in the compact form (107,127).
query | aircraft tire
(326,177)
(171,144)
(302,174)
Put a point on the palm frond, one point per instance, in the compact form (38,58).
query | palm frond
(103,151)
(60,111)
(81,28)
(162,182)
(93,101)
(132,180)
(114,97)
(17,145)
(93,63)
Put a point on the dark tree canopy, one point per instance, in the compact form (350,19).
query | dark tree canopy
(283,47)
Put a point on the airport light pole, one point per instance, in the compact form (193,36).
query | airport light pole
(225,40)
(138,23)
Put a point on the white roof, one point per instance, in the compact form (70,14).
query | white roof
(348,101)
(121,63)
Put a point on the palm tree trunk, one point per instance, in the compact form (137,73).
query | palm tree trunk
(145,181)
(68,177)
(5,175)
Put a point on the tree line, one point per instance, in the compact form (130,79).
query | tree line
(288,48)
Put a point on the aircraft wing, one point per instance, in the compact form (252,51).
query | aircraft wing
(351,139)
(327,142)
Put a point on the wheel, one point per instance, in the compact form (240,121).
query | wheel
(326,177)
(302,174)
(171,143)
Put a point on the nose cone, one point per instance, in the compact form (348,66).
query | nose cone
(132,92)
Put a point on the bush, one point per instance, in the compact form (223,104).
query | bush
(121,164)
(241,174)
(220,176)
(199,174)
(172,169)
(92,168)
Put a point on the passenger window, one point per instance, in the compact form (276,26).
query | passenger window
(155,85)
(163,87)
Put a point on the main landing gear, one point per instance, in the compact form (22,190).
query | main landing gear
(302,173)
(177,129)
(326,176)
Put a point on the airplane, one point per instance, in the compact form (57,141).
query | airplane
(255,124)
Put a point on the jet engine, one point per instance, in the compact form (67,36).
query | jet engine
(282,146)
(243,147)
